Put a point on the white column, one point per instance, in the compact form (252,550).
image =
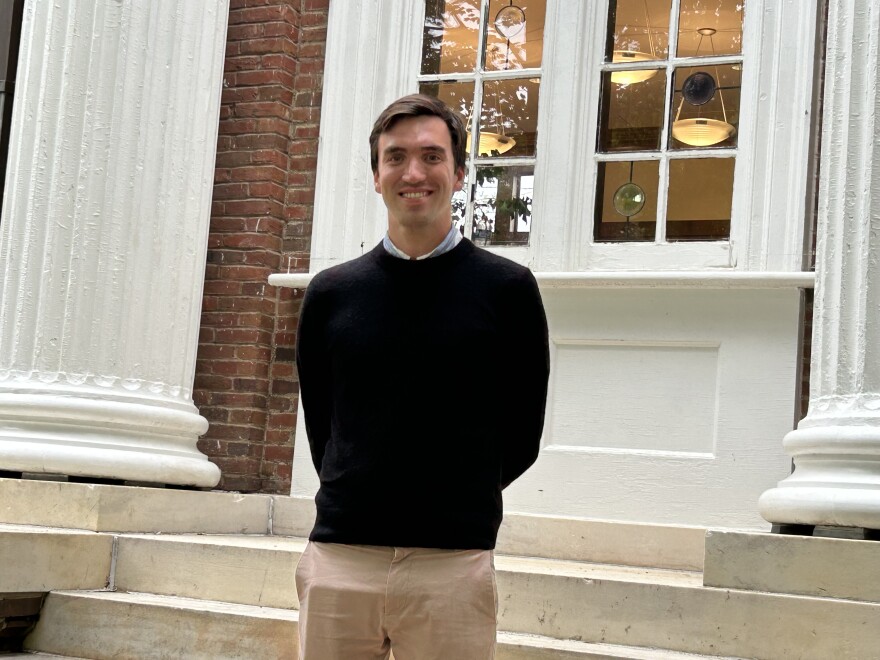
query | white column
(836,447)
(103,238)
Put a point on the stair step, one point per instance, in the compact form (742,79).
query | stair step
(685,618)
(513,646)
(250,570)
(43,559)
(103,625)
(259,570)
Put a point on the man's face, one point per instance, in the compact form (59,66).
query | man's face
(416,174)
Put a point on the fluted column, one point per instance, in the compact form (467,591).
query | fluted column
(836,447)
(103,238)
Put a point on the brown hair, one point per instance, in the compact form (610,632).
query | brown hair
(419,105)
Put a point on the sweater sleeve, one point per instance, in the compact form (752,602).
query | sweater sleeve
(530,370)
(313,367)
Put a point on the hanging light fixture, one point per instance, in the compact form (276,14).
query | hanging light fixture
(698,89)
(639,75)
(489,143)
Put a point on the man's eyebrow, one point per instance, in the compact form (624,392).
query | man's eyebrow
(430,148)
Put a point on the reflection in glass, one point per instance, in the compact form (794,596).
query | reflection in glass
(509,117)
(638,31)
(514,34)
(631,115)
(457,95)
(626,206)
(700,198)
(710,27)
(503,205)
(450,37)
(705,106)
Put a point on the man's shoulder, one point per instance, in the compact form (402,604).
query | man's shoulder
(345,274)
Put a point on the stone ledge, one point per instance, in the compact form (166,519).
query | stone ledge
(809,566)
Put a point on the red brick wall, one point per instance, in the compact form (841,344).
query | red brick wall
(261,224)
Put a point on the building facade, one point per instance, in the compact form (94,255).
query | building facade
(654,162)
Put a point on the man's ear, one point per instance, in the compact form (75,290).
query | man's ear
(459,179)
(376,182)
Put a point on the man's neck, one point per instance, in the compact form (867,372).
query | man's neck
(417,243)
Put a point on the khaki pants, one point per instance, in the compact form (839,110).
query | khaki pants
(360,602)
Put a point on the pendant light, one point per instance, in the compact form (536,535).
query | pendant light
(640,75)
(509,22)
(698,89)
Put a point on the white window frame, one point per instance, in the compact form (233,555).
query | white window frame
(374,56)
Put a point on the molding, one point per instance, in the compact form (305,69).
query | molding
(633,280)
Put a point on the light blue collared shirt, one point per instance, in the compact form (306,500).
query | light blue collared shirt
(452,238)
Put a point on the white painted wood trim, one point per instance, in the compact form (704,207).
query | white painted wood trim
(634,279)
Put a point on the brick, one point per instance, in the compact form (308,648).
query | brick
(243,336)
(251,207)
(256,15)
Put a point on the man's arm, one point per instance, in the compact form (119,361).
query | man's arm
(313,366)
(529,372)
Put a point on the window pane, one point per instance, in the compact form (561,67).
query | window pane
(631,116)
(457,95)
(705,106)
(450,37)
(626,206)
(710,27)
(503,205)
(509,120)
(700,197)
(515,34)
(638,30)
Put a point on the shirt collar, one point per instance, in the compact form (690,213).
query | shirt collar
(452,238)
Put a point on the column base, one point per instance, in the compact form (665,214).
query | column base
(836,480)
(131,440)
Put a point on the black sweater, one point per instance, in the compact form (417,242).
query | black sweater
(424,385)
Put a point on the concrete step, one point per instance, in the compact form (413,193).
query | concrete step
(250,570)
(513,646)
(104,625)
(130,509)
(568,602)
(128,626)
(827,567)
(557,599)
(260,570)
(42,559)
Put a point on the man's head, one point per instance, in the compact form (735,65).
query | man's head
(420,105)
(417,153)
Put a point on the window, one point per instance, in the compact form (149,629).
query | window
(549,200)
(486,54)
(666,160)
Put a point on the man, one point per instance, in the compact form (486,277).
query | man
(392,347)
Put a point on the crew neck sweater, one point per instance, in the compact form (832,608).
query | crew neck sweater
(423,384)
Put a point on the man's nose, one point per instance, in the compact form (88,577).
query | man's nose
(414,171)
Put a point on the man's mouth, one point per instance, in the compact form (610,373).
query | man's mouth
(414,195)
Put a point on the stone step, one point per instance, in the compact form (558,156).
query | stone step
(794,565)
(129,626)
(513,646)
(250,570)
(559,599)
(260,570)
(131,509)
(104,625)
(42,559)
(567,602)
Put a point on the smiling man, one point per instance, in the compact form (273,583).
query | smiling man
(393,350)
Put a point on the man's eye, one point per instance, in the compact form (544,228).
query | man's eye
(433,158)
